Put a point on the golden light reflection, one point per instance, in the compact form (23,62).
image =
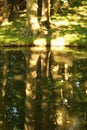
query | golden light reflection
(59,117)
(4,82)
(86,87)
(55,69)
(28,89)
(65,120)
(32,63)
(1,122)
(38,48)
(56,48)
(33,74)
(55,72)
(18,77)
(28,104)
(3,93)
(86,91)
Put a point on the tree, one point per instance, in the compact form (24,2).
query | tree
(3,125)
(32,23)
(31,75)
(5,11)
(45,18)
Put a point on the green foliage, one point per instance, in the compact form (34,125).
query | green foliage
(15,90)
(70,24)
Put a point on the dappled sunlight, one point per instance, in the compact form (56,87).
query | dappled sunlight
(9,39)
(60,23)
(70,37)
(32,19)
(59,41)
(82,10)
(6,22)
(10,34)
(74,23)
(83,25)
(28,90)
(22,15)
(64,120)
(40,42)
(34,23)
(1,36)
(69,29)
(34,7)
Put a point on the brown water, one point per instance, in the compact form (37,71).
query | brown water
(43,89)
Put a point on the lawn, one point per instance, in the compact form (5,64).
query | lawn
(67,29)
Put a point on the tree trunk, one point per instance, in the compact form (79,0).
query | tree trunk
(31,75)
(45,19)
(5,11)
(32,24)
(3,93)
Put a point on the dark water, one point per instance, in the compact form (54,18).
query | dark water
(43,89)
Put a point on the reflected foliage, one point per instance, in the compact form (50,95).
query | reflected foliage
(57,95)
(14,89)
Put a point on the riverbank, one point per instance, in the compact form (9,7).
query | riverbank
(67,29)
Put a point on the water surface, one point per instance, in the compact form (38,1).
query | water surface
(43,89)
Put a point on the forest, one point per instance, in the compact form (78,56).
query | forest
(43,88)
(43,22)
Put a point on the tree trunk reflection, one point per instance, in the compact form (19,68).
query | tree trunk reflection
(3,125)
(49,87)
(31,74)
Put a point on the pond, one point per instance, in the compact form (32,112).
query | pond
(43,89)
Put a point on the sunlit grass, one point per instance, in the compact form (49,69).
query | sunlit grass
(72,26)
(69,29)
(10,34)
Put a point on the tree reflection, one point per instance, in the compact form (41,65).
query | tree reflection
(10,109)
(51,98)
(3,91)
(43,89)
(31,74)
(39,112)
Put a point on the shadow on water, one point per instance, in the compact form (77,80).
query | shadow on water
(43,89)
